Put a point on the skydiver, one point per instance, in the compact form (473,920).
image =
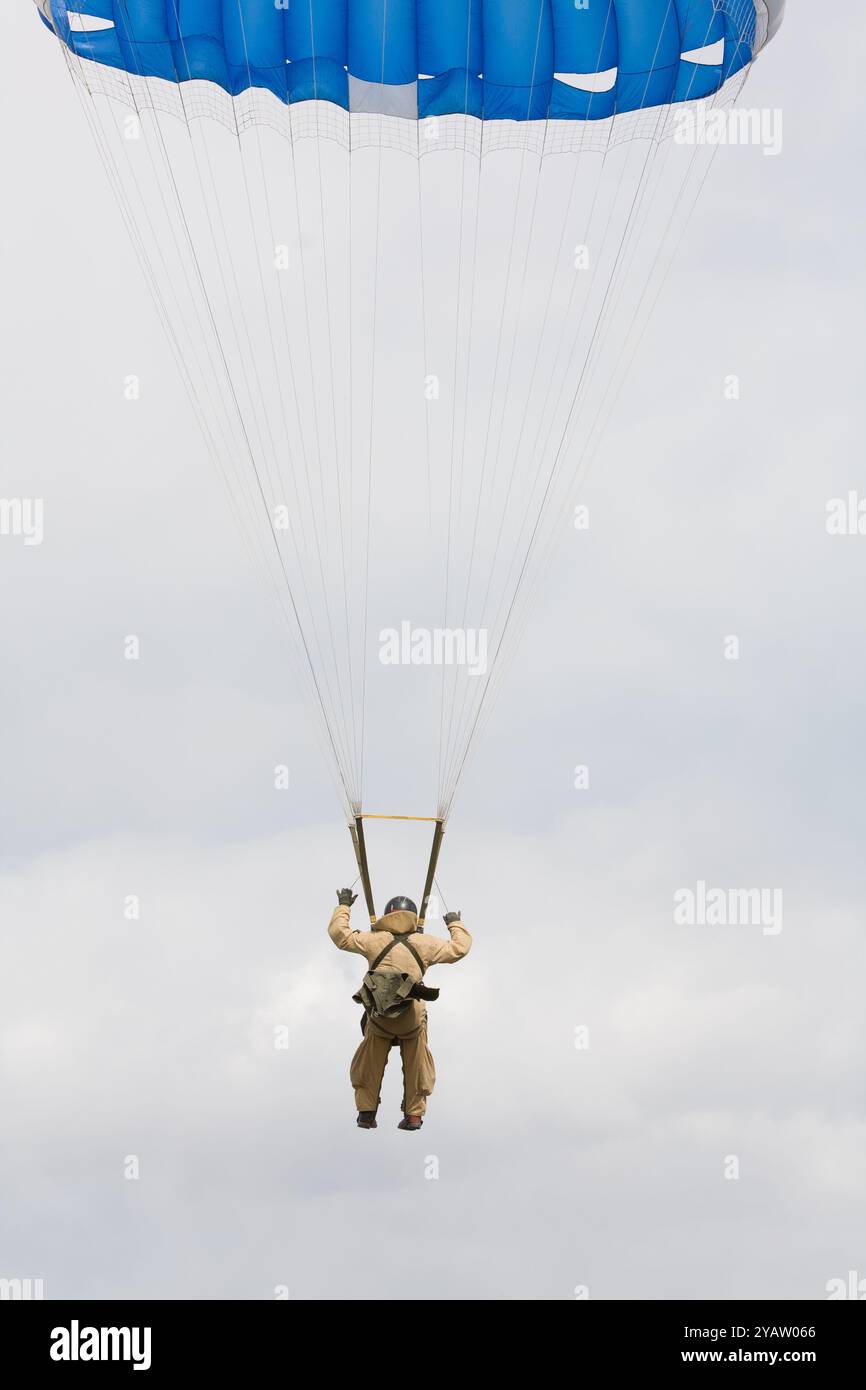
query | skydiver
(393,998)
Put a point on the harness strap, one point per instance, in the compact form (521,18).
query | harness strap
(400,941)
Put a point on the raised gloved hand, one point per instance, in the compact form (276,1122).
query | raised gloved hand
(345,897)
(451,917)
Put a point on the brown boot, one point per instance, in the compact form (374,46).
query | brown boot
(410,1122)
(366,1119)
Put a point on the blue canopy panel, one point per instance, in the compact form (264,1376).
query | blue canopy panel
(516,60)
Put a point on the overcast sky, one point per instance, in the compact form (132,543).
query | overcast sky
(543,1167)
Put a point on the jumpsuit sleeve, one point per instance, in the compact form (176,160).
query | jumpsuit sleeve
(342,935)
(447,952)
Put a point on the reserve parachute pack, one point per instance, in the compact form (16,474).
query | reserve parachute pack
(389,993)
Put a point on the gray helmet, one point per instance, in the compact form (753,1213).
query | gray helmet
(401,905)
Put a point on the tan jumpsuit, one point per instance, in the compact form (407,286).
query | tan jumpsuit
(409,1031)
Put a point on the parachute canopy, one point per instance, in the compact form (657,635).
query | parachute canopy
(516,60)
(404,252)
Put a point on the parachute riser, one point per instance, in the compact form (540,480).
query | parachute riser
(360,847)
(438,834)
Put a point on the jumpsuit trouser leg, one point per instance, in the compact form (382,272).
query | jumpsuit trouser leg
(409,1031)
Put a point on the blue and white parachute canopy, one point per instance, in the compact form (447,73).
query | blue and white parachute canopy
(403,367)
(496,60)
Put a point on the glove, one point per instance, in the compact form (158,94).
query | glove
(345,897)
(451,917)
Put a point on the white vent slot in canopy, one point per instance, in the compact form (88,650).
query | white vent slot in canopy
(88,23)
(589,81)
